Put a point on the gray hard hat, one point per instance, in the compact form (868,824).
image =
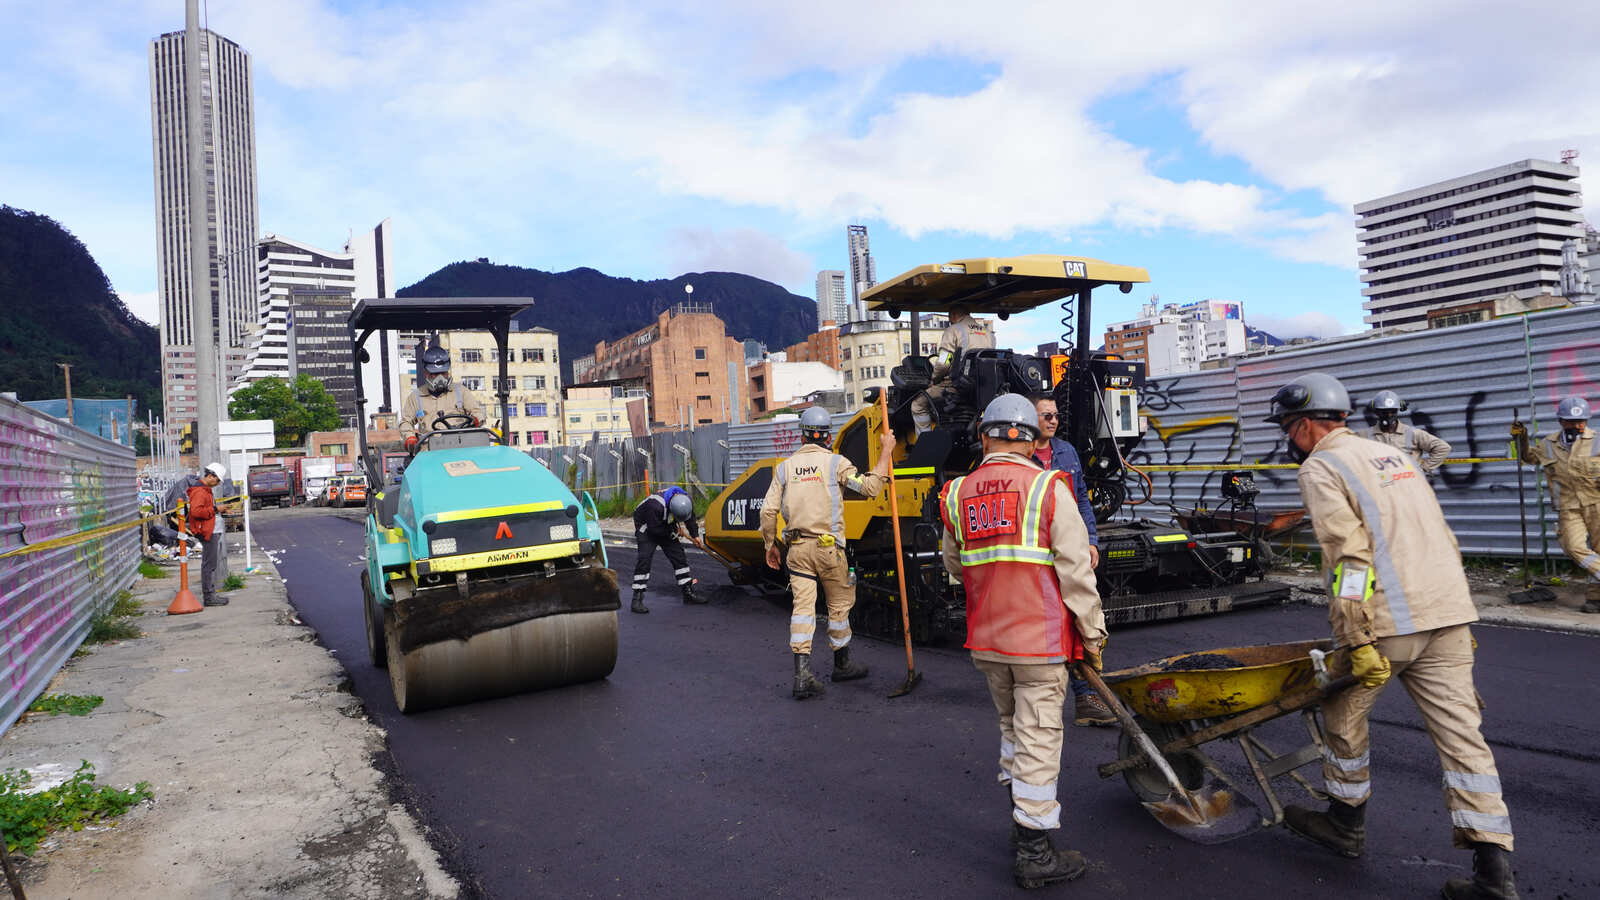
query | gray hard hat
(1313,394)
(1388,400)
(1573,407)
(816,419)
(435,359)
(1010,417)
(680,507)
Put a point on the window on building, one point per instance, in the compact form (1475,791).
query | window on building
(515,439)
(537,409)
(534,382)
(703,398)
(494,354)
(538,437)
(334,449)
(472,383)
(699,353)
(471,356)
(508,383)
(576,420)
(511,410)
(533,354)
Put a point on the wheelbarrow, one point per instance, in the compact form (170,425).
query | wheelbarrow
(1181,703)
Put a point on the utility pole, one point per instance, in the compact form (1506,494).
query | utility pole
(202,323)
(66,371)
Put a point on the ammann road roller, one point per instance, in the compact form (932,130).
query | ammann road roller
(1148,570)
(485,576)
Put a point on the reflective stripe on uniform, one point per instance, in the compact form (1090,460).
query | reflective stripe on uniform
(1382,559)
(1008,553)
(1470,781)
(781,472)
(1477,821)
(1345,764)
(803,620)
(1040,793)
(835,500)
(1353,790)
(1037,823)
(838,643)
(1008,750)
(838,626)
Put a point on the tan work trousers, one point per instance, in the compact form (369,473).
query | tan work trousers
(1578,530)
(1029,700)
(1436,669)
(922,403)
(813,566)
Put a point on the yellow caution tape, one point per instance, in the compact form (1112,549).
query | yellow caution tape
(81,536)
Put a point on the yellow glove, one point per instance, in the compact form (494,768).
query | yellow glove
(1092,653)
(1368,666)
(1519,430)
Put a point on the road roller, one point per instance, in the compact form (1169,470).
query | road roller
(1148,570)
(485,576)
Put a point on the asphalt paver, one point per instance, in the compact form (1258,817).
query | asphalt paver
(691,772)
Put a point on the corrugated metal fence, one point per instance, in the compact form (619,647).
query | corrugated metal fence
(1463,384)
(613,468)
(57,480)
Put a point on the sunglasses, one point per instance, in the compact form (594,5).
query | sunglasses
(1048,417)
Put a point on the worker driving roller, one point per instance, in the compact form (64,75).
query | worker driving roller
(807,489)
(437,403)
(965,333)
(1426,450)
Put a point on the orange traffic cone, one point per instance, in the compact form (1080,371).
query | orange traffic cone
(185,602)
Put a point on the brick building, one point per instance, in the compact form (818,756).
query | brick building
(691,370)
(822,347)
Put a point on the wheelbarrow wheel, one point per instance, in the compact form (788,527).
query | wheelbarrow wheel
(1145,781)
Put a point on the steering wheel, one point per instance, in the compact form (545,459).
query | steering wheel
(453,421)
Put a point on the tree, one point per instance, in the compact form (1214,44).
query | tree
(295,410)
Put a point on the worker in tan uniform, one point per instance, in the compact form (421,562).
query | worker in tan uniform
(1571,461)
(1426,450)
(1013,535)
(807,489)
(421,411)
(1398,601)
(964,333)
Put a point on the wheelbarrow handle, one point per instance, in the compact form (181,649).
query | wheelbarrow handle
(1138,735)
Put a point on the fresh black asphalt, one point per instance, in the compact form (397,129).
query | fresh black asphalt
(690,773)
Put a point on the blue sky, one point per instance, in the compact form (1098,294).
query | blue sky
(1218,145)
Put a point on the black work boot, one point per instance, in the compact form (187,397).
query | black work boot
(843,668)
(1342,829)
(1491,876)
(1591,603)
(215,601)
(689,596)
(805,684)
(1038,863)
(638,602)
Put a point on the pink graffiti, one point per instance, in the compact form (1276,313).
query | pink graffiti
(1573,370)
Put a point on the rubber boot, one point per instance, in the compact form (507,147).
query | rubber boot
(805,684)
(1039,864)
(1491,876)
(1342,829)
(843,668)
(1591,602)
(689,596)
(638,602)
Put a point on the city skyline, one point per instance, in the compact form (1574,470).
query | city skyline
(1227,163)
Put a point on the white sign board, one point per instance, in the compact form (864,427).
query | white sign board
(245,434)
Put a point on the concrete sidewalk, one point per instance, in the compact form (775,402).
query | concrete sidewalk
(262,766)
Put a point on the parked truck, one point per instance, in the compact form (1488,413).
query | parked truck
(314,474)
(271,484)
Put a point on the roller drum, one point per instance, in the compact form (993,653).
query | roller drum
(545,652)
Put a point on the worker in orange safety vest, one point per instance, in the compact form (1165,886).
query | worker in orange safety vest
(1013,534)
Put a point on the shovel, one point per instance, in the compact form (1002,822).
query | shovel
(1528,594)
(1212,814)
(912,675)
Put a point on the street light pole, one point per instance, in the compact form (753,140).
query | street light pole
(66,371)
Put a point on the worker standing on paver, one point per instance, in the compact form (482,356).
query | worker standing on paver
(1014,536)
(1571,460)
(1426,450)
(436,396)
(1054,453)
(657,520)
(807,490)
(199,509)
(1398,600)
(964,333)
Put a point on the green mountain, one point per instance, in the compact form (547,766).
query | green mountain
(57,306)
(584,306)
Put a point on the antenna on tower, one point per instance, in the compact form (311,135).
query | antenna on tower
(1567,156)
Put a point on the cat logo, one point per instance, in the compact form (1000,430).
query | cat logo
(1075,268)
(503,532)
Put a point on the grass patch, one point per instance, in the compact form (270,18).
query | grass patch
(233,582)
(71,704)
(113,624)
(149,569)
(27,818)
(123,605)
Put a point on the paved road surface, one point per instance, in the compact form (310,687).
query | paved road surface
(690,772)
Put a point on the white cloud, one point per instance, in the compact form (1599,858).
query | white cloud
(744,250)
(145,305)
(1308,324)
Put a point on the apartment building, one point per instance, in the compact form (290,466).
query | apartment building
(1179,337)
(775,384)
(692,372)
(601,410)
(533,372)
(869,349)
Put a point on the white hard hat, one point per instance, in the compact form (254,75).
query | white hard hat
(1010,417)
(219,470)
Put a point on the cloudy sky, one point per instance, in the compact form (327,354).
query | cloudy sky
(1219,145)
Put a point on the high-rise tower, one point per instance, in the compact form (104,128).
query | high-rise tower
(863,271)
(231,211)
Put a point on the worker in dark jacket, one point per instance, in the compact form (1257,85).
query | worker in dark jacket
(1054,453)
(656,523)
(193,494)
